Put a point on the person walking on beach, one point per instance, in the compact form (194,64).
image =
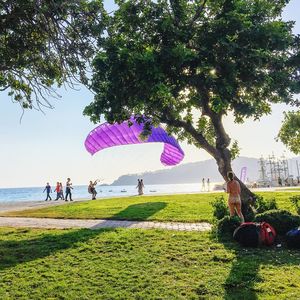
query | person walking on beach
(92,189)
(208,183)
(203,185)
(61,191)
(68,189)
(234,199)
(140,187)
(57,190)
(48,189)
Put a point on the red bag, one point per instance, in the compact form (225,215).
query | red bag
(267,234)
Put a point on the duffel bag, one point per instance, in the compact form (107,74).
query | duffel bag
(293,238)
(247,234)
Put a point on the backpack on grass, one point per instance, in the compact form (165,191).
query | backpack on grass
(251,234)
(267,234)
(293,238)
(247,234)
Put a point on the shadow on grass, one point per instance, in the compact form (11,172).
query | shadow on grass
(244,273)
(14,252)
(140,211)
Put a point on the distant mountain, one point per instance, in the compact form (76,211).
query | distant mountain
(194,172)
(191,173)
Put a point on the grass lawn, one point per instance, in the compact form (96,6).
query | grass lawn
(140,264)
(292,188)
(183,208)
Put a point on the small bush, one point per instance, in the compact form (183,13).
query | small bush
(281,220)
(295,201)
(227,225)
(262,205)
(220,209)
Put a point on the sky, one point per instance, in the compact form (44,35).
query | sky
(50,147)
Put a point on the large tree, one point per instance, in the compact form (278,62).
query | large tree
(189,63)
(44,44)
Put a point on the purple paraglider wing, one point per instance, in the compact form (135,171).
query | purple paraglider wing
(109,135)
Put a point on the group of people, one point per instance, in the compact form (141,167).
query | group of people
(91,190)
(207,185)
(59,191)
(140,186)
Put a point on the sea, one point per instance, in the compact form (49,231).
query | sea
(81,192)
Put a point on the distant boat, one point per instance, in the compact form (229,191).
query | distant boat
(152,191)
(110,191)
(123,191)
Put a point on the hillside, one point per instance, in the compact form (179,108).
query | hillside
(191,173)
(194,172)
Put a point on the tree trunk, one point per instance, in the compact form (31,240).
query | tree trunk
(220,152)
(224,166)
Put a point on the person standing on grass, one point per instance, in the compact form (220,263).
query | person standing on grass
(48,189)
(234,199)
(140,187)
(68,189)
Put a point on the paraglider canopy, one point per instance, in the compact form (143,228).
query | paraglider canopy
(109,135)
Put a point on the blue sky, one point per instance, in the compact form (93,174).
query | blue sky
(50,147)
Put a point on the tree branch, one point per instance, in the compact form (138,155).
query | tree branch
(191,130)
(198,13)
(222,138)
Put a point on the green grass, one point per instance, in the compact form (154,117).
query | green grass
(292,188)
(183,208)
(140,264)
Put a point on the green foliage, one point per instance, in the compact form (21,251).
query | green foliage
(295,200)
(220,208)
(289,133)
(261,204)
(281,220)
(44,44)
(235,150)
(188,63)
(226,226)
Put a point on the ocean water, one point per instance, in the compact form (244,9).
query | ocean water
(79,192)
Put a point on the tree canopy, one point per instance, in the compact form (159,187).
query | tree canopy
(44,44)
(289,133)
(189,63)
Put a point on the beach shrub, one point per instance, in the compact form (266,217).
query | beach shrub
(281,220)
(220,209)
(261,205)
(226,226)
(295,200)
